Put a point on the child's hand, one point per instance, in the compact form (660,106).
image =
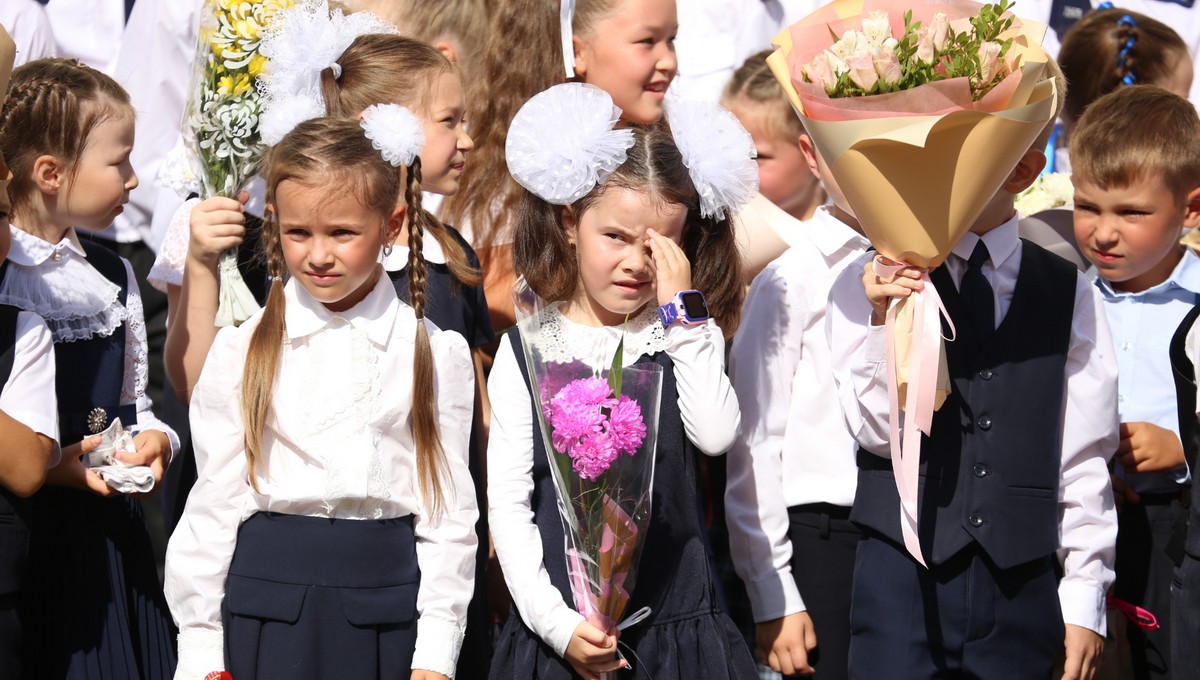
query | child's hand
(1123,493)
(785,643)
(427,675)
(591,652)
(1146,447)
(1083,649)
(151,446)
(217,224)
(880,292)
(73,474)
(671,269)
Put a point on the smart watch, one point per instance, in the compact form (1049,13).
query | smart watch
(688,306)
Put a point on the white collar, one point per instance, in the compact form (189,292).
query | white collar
(431,251)
(561,340)
(1001,242)
(830,235)
(375,314)
(29,250)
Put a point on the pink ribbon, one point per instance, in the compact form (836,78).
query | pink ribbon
(1142,618)
(921,395)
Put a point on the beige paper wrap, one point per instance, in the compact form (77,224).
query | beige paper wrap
(8,56)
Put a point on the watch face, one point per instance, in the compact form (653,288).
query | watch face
(694,305)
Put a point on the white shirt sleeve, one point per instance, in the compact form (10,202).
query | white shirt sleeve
(707,402)
(762,366)
(29,396)
(133,389)
(510,513)
(201,548)
(1086,511)
(29,27)
(446,543)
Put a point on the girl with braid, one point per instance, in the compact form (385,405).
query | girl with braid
(92,606)
(330,533)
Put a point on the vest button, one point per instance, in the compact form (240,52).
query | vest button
(984,422)
(981,470)
(975,520)
(986,374)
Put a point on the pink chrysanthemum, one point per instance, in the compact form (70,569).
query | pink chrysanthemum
(625,426)
(583,430)
(593,455)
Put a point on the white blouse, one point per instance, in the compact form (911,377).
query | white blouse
(337,443)
(28,396)
(56,282)
(707,404)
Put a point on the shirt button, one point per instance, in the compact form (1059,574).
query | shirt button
(56,256)
(981,470)
(984,422)
(986,374)
(1125,347)
(975,520)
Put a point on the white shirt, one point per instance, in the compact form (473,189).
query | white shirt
(707,405)
(89,30)
(155,68)
(27,24)
(1087,516)
(50,275)
(337,444)
(1183,20)
(1143,325)
(793,447)
(29,395)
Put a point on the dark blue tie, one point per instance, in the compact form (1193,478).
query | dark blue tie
(976,294)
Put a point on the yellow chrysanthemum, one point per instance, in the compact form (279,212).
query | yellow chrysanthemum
(257,62)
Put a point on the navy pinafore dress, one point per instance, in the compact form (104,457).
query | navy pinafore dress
(687,636)
(14,527)
(92,605)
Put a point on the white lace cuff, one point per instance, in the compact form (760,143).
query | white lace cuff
(201,651)
(438,644)
(172,254)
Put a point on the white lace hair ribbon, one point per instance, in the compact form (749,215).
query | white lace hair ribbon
(562,143)
(395,131)
(718,153)
(566,28)
(301,42)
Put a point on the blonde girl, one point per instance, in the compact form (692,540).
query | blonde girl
(93,606)
(330,531)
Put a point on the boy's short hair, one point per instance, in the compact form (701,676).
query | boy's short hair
(1138,132)
(754,82)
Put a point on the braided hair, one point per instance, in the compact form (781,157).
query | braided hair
(51,108)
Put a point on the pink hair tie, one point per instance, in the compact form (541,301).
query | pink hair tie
(1140,617)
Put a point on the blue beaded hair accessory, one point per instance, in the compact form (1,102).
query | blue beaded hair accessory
(1126,20)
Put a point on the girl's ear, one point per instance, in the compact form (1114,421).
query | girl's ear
(581,56)
(569,224)
(395,224)
(48,174)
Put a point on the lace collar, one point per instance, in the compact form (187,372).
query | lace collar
(560,340)
(55,281)
(375,315)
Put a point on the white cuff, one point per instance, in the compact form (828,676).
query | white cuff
(1083,605)
(774,597)
(438,644)
(201,651)
(876,347)
(562,628)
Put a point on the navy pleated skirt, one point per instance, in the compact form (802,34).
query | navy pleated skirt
(91,603)
(312,598)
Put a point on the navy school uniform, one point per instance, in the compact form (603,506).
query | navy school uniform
(687,636)
(92,605)
(453,306)
(988,605)
(1185,544)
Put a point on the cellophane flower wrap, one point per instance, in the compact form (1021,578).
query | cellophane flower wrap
(221,120)
(921,109)
(599,422)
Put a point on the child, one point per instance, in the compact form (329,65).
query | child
(330,532)
(1014,480)
(757,99)
(92,604)
(1137,187)
(1135,49)
(791,469)
(624,47)
(627,243)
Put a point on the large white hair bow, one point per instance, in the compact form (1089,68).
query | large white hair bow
(562,143)
(718,153)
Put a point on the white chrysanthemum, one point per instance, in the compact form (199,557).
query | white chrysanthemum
(718,153)
(301,42)
(180,171)
(395,131)
(1049,191)
(562,143)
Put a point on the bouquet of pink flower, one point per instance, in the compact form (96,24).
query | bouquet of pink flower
(599,421)
(921,109)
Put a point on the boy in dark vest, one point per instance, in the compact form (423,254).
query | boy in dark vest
(1017,524)
(28,423)
(1135,156)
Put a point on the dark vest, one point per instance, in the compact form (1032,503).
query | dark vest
(14,510)
(991,467)
(1189,434)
